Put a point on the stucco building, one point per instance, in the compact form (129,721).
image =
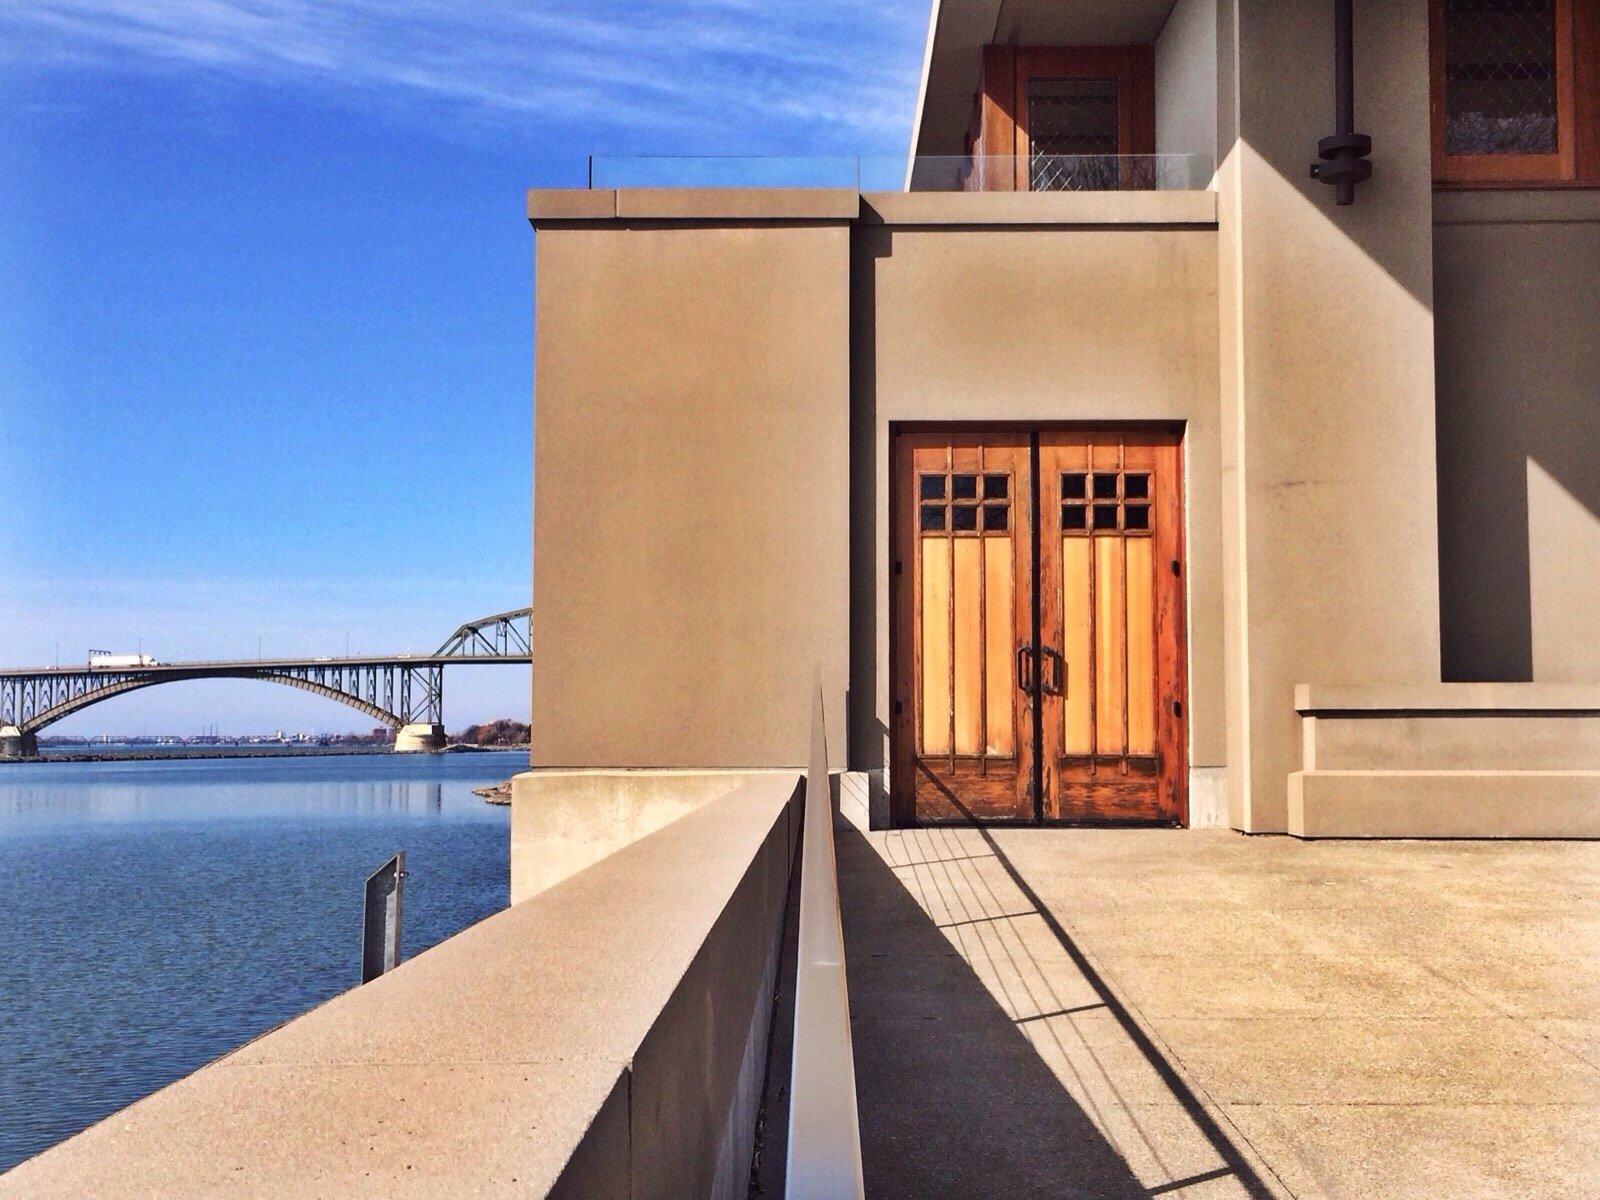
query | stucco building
(1111,467)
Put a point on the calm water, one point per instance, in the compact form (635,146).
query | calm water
(154,915)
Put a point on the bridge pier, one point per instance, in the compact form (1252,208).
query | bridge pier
(421,738)
(18,743)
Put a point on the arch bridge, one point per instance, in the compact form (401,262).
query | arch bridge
(402,691)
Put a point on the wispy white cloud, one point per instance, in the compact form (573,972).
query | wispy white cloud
(728,68)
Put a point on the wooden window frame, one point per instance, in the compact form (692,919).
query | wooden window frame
(1000,117)
(1576,160)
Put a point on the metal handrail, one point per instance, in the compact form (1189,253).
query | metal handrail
(824,1161)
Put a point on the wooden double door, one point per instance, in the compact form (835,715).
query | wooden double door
(1037,627)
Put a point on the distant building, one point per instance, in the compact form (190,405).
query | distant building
(1111,470)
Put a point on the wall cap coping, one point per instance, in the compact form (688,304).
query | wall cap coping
(1040,208)
(1445,698)
(554,205)
(571,204)
(476,1068)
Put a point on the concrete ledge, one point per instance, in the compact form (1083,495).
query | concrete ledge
(565,821)
(738,204)
(605,1038)
(1039,208)
(571,204)
(1319,698)
(1517,206)
(1444,804)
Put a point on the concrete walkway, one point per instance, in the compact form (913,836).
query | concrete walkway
(1076,1013)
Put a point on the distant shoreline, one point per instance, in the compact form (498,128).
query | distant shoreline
(52,755)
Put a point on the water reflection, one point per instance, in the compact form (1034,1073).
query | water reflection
(165,791)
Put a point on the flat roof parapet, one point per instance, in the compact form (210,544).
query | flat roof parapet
(552,206)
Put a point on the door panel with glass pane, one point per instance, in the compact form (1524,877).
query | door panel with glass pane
(964,570)
(1112,610)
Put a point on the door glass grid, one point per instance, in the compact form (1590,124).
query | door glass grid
(1106,502)
(972,502)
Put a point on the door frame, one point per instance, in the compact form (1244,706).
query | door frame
(902,814)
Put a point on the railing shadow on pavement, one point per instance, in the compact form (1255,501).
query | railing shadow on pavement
(956,1098)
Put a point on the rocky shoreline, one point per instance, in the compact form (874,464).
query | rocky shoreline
(495,793)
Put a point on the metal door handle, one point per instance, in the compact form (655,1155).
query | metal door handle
(1025,668)
(1055,671)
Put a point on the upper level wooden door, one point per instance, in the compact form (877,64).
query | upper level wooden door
(1063,118)
(1037,667)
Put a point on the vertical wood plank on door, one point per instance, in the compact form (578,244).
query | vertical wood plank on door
(935,664)
(1141,638)
(1077,699)
(999,670)
(968,646)
(1110,675)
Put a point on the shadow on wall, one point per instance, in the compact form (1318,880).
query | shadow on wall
(1518,348)
(866,737)
(958,1096)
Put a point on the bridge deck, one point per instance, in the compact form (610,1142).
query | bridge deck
(265,664)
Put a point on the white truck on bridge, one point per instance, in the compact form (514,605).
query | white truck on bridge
(104,660)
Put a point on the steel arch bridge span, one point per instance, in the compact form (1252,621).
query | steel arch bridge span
(399,691)
(415,698)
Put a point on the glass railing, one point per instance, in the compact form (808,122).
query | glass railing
(956,173)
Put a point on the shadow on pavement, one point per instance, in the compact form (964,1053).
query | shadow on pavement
(958,1096)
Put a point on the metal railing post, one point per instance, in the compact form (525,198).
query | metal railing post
(824,1132)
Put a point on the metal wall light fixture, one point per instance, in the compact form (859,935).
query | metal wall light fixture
(1343,157)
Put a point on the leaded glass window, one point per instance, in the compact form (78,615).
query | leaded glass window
(1500,67)
(1072,134)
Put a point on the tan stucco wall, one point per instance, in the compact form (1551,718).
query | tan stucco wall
(1517,276)
(1032,324)
(691,398)
(1328,388)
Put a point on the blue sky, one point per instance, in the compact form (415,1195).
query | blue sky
(265,315)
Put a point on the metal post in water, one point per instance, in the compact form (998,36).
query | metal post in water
(380,929)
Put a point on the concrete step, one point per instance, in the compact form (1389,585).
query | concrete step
(1461,741)
(1448,760)
(1445,804)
